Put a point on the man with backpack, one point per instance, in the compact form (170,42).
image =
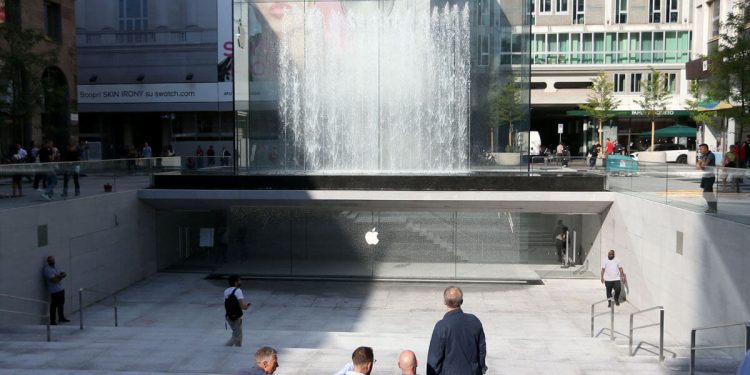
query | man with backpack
(234,303)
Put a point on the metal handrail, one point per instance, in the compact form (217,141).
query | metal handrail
(80,303)
(661,330)
(43,316)
(611,316)
(693,348)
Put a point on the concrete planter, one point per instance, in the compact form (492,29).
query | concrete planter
(507,158)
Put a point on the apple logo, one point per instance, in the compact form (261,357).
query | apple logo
(372,237)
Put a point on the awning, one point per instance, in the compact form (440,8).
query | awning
(709,105)
(672,131)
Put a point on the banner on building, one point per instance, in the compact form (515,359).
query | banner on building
(155,93)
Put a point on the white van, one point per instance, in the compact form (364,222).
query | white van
(531,138)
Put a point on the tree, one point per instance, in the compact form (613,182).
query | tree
(22,87)
(729,65)
(505,108)
(655,97)
(601,101)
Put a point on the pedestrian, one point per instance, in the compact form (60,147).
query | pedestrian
(613,276)
(594,154)
(457,345)
(363,359)
(407,362)
(746,152)
(560,245)
(211,154)
(53,278)
(234,304)
(71,155)
(225,156)
(729,161)
(19,156)
(199,156)
(266,362)
(146,152)
(609,147)
(707,163)
(47,155)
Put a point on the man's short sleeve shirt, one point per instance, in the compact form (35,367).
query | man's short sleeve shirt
(49,273)
(237,294)
(611,269)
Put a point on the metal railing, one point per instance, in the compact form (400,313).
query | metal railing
(611,313)
(44,316)
(693,348)
(661,331)
(80,303)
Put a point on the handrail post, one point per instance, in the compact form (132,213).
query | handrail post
(115,307)
(661,335)
(592,320)
(612,318)
(692,352)
(80,307)
(747,337)
(630,338)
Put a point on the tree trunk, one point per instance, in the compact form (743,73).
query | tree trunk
(600,131)
(653,131)
(510,135)
(492,139)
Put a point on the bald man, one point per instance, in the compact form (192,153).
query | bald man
(457,345)
(407,362)
(53,278)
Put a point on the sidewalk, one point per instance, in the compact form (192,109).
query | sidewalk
(173,324)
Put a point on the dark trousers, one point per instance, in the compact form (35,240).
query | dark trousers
(616,285)
(559,245)
(66,178)
(707,183)
(57,301)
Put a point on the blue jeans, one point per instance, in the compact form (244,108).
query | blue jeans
(51,182)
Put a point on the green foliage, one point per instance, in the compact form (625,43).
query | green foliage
(655,94)
(729,65)
(692,104)
(601,101)
(505,107)
(22,89)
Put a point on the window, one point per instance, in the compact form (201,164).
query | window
(483,14)
(578,12)
(635,82)
(545,6)
(669,81)
(672,12)
(484,50)
(716,17)
(619,82)
(531,12)
(654,11)
(562,6)
(52,21)
(621,11)
(133,21)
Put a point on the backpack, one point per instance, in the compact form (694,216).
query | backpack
(232,306)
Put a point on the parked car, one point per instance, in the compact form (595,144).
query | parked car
(675,153)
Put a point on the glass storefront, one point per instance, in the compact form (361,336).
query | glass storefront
(352,242)
(386,86)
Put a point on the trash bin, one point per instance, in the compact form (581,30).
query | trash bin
(621,165)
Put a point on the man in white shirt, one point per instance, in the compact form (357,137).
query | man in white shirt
(362,361)
(612,277)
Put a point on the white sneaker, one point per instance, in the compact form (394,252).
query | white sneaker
(47,197)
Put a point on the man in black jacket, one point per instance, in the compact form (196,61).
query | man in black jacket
(457,345)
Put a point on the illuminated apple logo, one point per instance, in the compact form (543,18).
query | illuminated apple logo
(372,237)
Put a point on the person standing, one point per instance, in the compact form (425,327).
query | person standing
(407,362)
(234,304)
(48,154)
(146,152)
(457,345)
(53,278)
(211,154)
(729,161)
(706,163)
(609,147)
(266,362)
(19,156)
(613,276)
(560,245)
(594,154)
(72,156)
(225,156)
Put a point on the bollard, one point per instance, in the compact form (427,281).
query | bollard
(612,319)
(115,303)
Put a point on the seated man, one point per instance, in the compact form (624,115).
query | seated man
(266,362)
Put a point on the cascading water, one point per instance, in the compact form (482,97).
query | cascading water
(376,92)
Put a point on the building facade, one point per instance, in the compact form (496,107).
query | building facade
(575,39)
(54,118)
